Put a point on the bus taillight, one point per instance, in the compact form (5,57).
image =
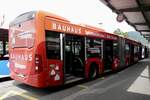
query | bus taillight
(38,63)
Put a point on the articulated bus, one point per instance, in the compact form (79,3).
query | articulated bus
(48,50)
(4,65)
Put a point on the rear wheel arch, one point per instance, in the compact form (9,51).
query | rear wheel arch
(93,70)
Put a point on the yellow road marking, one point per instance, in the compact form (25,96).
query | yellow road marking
(5,95)
(82,86)
(17,93)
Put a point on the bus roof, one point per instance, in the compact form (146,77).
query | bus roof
(132,41)
(59,24)
(53,16)
(92,27)
(88,29)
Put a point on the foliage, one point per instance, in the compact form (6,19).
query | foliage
(120,32)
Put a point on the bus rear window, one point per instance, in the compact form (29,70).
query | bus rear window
(52,44)
(23,17)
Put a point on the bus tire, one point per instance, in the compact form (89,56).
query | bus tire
(93,73)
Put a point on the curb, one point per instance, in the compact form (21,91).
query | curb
(2,79)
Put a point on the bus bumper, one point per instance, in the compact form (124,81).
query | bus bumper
(32,80)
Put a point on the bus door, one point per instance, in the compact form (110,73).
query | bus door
(108,54)
(132,54)
(74,55)
(143,52)
(136,53)
(116,51)
(140,52)
(54,52)
(127,54)
(146,52)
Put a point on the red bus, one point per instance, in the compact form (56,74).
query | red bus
(48,50)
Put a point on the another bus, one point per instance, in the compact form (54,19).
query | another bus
(47,50)
(4,65)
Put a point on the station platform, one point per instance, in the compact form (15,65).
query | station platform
(132,83)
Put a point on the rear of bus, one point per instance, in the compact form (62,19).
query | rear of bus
(25,61)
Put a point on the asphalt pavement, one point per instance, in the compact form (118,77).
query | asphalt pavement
(132,83)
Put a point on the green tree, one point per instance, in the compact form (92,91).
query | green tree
(120,32)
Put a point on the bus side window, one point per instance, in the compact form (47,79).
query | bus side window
(127,49)
(1,48)
(115,49)
(93,47)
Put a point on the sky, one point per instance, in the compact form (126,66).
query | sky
(91,12)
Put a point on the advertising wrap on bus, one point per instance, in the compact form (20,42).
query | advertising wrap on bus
(47,50)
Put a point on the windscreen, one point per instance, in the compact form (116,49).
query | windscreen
(22,18)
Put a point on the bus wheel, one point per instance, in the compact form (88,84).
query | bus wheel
(93,73)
